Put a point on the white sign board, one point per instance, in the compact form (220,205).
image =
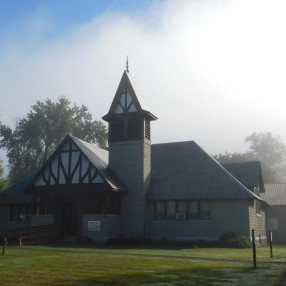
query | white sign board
(93,225)
(272,223)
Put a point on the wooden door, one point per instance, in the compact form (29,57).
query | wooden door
(69,219)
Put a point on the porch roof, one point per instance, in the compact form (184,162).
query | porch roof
(15,193)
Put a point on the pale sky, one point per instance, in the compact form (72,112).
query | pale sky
(211,71)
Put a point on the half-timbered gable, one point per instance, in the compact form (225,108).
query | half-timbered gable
(68,166)
(76,162)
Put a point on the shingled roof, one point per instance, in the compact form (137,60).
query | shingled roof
(100,159)
(97,156)
(184,170)
(275,194)
(15,193)
(128,81)
(248,173)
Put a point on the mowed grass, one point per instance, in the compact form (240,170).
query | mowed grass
(112,266)
(245,255)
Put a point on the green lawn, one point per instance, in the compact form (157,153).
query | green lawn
(105,266)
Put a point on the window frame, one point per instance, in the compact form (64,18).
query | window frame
(200,215)
(19,211)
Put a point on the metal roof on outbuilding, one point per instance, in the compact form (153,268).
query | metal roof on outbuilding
(275,194)
(183,170)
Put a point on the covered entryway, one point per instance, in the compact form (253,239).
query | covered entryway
(76,181)
(69,219)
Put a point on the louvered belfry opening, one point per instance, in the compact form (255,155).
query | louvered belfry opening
(128,127)
(116,130)
(134,128)
(147,130)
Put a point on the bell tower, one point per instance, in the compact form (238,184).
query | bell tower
(129,140)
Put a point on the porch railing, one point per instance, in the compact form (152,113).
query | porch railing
(31,235)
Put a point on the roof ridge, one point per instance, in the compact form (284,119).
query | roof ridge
(175,142)
(242,162)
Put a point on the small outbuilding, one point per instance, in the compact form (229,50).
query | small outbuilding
(275,196)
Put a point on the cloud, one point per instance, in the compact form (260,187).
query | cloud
(212,71)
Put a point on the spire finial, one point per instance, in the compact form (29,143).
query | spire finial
(127,65)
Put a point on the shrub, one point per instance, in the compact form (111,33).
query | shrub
(234,240)
(164,242)
(128,240)
(84,240)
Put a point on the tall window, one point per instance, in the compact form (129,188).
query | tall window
(205,210)
(171,209)
(194,210)
(182,206)
(18,212)
(160,210)
(258,207)
(125,103)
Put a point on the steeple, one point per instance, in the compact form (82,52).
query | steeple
(129,143)
(127,65)
(128,116)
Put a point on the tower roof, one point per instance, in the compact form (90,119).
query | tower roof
(129,86)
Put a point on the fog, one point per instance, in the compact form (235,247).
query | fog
(211,71)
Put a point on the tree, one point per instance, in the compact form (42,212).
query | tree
(3,182)
(267,148)
(234,157)
(264,147)
(38,134)
(271,152)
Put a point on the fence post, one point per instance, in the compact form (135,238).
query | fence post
(4,243)
(20,238)
(270,243)
(254,248)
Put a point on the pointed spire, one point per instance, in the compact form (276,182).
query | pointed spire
(128,87)
(127,65)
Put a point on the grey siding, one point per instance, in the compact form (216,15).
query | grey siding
(229,215)
(5,220)
(36,220)
(278,213)
(32,220)
(257,222)
(109,226)
(131,162)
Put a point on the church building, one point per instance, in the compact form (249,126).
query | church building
(135,188)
